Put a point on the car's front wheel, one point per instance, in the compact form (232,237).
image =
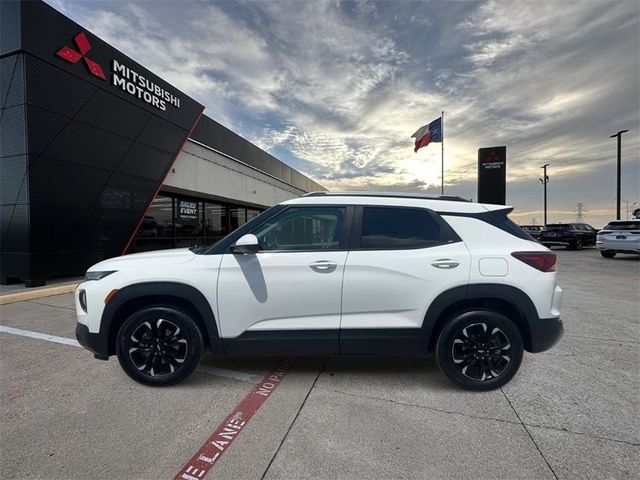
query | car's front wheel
(607,253)
(159,346)
(479,350)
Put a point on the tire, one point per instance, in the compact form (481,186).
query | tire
(607,253)
(159,346)
(577,245)
(460,343)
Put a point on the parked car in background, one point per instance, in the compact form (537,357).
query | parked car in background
(533,230)
(619,236)
(571,235)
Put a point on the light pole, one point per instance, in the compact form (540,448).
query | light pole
(619,135)
(544,180)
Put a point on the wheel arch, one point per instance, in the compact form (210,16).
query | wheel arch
(173,294)
(508,300)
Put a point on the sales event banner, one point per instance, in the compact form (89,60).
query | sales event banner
(492,175)
(187,212)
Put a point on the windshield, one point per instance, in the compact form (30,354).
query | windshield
(630,225)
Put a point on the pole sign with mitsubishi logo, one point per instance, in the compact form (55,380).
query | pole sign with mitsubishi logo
(492,175)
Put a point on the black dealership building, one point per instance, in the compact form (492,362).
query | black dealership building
(99,156)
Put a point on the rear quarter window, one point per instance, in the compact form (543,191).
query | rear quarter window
(499,219)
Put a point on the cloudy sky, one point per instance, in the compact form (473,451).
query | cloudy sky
(335,89)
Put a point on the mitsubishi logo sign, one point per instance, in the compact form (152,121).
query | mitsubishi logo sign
(123,77)
(72,56)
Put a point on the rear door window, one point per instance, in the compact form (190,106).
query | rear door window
(397,228)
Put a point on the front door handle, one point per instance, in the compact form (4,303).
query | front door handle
(323,266)
(445,263)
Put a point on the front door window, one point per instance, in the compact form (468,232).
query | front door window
(303,229)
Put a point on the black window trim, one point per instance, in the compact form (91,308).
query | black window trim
(356,233)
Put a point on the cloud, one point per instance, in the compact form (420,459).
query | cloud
(336,88)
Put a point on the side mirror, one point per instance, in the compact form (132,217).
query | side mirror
(246,244)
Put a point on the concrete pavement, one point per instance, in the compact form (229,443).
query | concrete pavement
(569,413)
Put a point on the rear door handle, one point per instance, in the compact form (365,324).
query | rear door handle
(323,266)
(445,263)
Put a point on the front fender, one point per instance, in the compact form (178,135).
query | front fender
(157,292)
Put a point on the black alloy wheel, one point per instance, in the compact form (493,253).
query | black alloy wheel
(480,350)
(479,353)
(159,346)
(577,245)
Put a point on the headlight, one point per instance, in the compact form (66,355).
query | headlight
(82,298)
(97,275)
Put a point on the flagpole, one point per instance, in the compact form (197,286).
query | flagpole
(442,161)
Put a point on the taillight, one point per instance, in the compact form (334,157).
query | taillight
(604,232)
(635,232)
(543,261)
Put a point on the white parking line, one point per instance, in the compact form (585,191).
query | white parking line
(39,336)
(215,371)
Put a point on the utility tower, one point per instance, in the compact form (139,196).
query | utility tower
(580,211)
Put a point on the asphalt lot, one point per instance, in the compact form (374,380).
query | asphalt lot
(572,412)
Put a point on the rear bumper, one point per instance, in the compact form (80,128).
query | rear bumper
(545,333)
(94,342)
(621,246)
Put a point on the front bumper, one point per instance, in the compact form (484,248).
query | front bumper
(545,333)
(94,342)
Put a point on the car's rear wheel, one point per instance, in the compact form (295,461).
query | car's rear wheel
(479,350)
(577,244)
(607,253)
(159,346)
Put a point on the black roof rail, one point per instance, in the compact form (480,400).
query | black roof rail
(424,196)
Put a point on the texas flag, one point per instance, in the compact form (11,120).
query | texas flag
(428,133)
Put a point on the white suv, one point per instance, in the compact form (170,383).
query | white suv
(354,274)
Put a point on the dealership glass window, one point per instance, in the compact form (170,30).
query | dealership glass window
(252,213)
(158,222)
(156,229)
(237,217)
(216,222)
(178,221)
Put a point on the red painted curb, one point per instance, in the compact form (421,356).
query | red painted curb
(225,433)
